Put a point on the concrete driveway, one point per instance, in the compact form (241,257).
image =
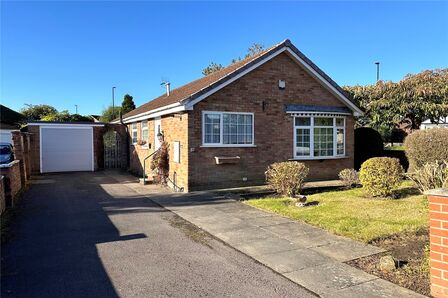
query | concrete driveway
(84,235)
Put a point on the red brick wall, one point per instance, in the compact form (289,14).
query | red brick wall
(174,128)
(35,148)
(12,180)
(139,152)
(273,128)
(438,233)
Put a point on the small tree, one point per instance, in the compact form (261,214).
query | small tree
(108,115)
(127,105)
(65,116)
(37,112)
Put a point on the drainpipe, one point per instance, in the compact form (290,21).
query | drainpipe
(128,154)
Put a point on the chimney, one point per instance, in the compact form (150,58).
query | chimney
(167,85)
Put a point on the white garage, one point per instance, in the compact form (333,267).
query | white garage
(66,147)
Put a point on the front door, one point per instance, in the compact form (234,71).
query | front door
(157,130)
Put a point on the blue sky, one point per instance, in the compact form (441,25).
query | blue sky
(67,53)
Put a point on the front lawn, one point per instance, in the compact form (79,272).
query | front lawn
(353,214)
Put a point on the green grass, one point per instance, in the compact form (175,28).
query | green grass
(353,214)
(397,148)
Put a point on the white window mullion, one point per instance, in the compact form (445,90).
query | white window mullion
(335,139)
(221,128)
(312,137)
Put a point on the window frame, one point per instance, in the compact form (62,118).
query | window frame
(145,145)
(134,128)
(311,128)
(221,129)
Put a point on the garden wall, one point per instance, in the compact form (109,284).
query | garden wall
(12,182)
(15,175)
(438,234)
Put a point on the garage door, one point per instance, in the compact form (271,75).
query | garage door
(66,149)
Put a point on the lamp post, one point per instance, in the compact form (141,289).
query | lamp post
(377,71)
(113,102)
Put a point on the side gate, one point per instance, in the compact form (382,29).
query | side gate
(112,150)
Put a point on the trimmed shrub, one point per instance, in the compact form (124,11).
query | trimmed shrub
(431,176)
(380,175)
(368,144)
(287,178)
(426,146)
(350,177)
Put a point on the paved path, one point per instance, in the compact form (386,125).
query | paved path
(304,254)
(85,235)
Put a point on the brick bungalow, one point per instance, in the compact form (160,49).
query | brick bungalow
(226,128)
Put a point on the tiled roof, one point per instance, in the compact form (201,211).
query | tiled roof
(202,85)
(10,116)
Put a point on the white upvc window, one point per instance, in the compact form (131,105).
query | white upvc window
(134,133)
(227,129)
(144,133)
(319,137)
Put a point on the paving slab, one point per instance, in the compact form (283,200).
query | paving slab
(346,250)
(373,289)
(292,230)
(239,237)
(329,277)
(266,246)
(291,260)
(268,221)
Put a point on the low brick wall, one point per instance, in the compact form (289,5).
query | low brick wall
(438,233)
(12,181)
(2,195)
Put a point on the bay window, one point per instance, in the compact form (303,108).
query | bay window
(318,137)
(227,129)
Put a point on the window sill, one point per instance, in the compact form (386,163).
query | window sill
(228,146)
(319,158)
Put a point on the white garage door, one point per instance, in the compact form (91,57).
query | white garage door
(66,149)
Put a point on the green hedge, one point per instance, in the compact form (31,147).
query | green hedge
(424,146)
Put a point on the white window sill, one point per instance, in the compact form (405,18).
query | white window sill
(319,157)
(229,146)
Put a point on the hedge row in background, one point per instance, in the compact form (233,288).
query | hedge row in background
(426,146)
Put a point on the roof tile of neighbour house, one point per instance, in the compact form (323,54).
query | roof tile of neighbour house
(10,117)
(200,86)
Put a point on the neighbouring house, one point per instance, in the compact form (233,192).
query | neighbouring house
(226,128)
(442,123)
(10,120)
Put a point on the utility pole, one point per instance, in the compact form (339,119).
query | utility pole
(113,102)
(377,71)
(76,108)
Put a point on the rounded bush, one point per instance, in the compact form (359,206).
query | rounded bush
(287,178)
(380,175)
(426,146)
(349,177)
(368,144)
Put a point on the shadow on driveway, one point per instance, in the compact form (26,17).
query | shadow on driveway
(51,251)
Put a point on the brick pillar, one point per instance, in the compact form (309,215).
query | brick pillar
(17,142)
(27,153)
(438,234)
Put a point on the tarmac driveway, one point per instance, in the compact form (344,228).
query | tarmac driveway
(84,235)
